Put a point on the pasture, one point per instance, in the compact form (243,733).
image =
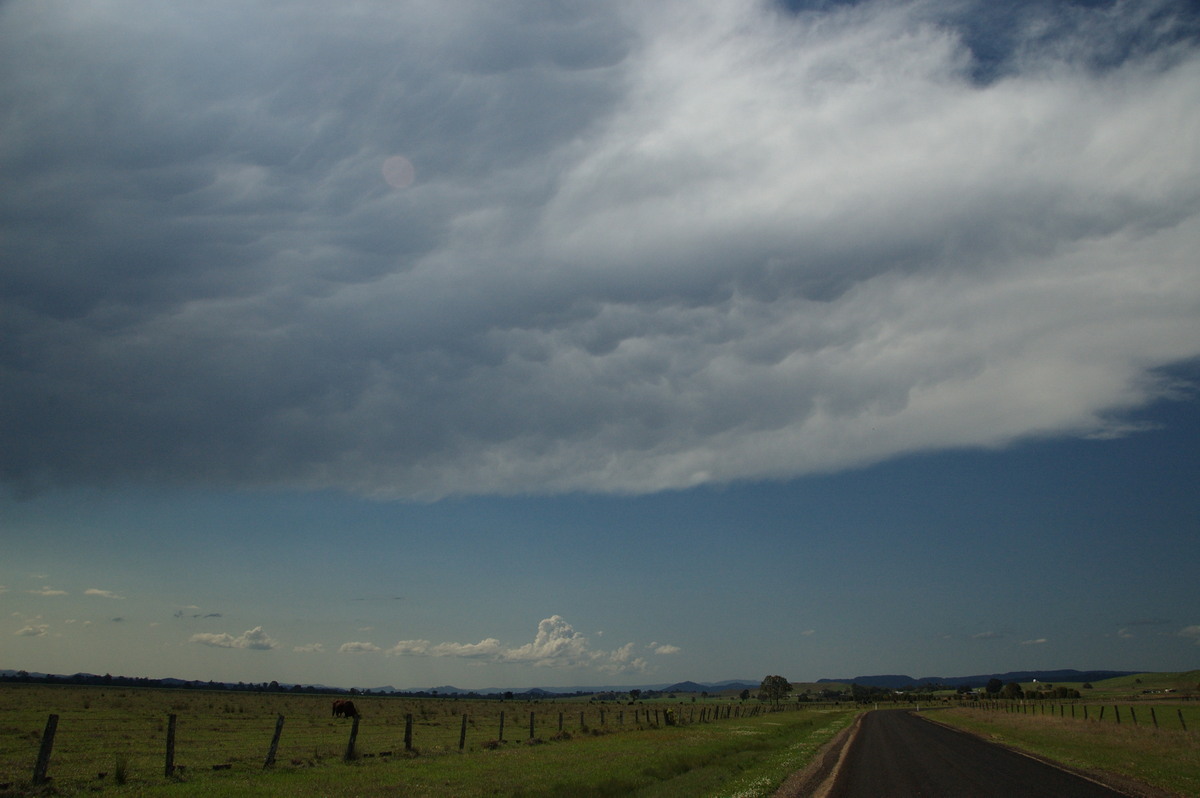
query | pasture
(1163,755)
(114,741)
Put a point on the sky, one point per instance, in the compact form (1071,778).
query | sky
(532,343)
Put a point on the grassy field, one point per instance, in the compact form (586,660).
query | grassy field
(1165,757)
(602,749)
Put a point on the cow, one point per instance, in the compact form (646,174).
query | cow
(344,708)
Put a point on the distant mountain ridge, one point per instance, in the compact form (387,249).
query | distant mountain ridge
(886,681)
(901,682)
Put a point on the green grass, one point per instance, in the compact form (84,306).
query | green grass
(121,733)
(1167,758)
(1186,683)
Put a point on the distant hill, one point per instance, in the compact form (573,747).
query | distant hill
(900,682)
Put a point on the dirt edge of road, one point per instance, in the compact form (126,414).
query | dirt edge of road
(816,779)
(1114,781)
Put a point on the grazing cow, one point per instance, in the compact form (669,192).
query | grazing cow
(344,708)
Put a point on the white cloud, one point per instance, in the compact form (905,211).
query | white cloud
(1191,631)
(311,648)
(101,593)
(556,644)
(667,649)
(46,590)
(1039,641)
(358,648)
(33,630)
(255,639)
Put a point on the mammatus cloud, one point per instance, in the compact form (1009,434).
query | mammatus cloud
(255,639)
(425,250)
(556,645)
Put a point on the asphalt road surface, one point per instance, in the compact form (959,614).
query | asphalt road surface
(897,754)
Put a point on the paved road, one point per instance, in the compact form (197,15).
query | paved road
(897,754)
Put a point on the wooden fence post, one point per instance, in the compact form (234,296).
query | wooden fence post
(1133,714)
(1117,710)
(408,732)
(270,760)
(560,721)
(349,755)
(501,737)
(169,766)
(530,725)
(1154,717)
(462,735)
(1181,723)
(43,760)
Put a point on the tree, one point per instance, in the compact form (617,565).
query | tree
(1012,690)
(744,695)
(774,688)
(994,686)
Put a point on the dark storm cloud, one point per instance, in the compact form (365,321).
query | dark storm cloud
(642,248)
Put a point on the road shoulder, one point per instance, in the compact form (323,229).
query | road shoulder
(816,779)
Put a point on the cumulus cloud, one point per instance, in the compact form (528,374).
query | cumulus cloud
(358,648)
(1039,641)
(255,639)
(46,590)
(640,246)
(1192,632)
(101,593)
(556,644)
(33,630)
(311,648)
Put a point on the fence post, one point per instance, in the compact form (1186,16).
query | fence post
(462,735)
(560,721)
(408,732)
(1133,714)
(349,755)
(1154,717)
(270,760)
(43,760)
(169,767)
(501,738)
(1179,710)
(1117,710)
(530,725)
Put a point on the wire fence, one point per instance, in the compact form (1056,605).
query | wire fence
(113,742)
